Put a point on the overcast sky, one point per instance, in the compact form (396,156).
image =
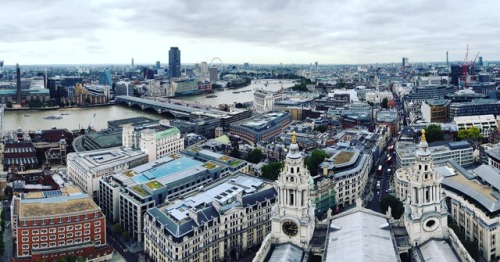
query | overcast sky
(254,31)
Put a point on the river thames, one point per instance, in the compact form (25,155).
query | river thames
(76,118)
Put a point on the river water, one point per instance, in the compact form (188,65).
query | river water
(76,118)
(229,97)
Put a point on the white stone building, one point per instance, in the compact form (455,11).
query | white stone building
(442,152)
(221,222)
(487,124)
(263,101)
(85,168)
(157,141)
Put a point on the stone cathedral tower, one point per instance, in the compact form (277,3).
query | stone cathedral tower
(293,218)
(425,211)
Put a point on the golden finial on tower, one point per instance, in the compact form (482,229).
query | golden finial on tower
(423,135)
(294,138)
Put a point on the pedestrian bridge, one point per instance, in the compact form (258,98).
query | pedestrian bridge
(175,107)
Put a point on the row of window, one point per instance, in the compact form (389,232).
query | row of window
(61,229)
(60,236)
(61,243)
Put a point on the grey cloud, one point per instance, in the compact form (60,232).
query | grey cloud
(364,27)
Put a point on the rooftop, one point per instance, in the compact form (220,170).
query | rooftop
(168,166)
(407,149)
(360,235)
(437,102)
(342,157)
(484,191)
(260,122)
(437,251)
(177,220)
(55,203)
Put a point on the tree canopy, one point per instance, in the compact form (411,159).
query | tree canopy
(321,128)
(384,103)
(470,133)
(316,158)
(397,208)
(235,152)
(254,156)
(272,170)
(434,133)
(117,228)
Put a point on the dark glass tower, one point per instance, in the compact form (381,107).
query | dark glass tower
(18,84)
(174,62)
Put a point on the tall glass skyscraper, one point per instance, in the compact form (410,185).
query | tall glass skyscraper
(174,62)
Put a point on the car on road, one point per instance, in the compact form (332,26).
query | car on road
(390,190)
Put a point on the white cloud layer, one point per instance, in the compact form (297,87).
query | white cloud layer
(237,31)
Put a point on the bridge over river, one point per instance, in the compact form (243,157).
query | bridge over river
(178,108)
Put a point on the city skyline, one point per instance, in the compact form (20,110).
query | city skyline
(267,32)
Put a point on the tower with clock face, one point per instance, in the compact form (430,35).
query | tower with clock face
(425,211)
(293,217)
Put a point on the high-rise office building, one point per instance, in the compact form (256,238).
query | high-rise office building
(132,62)
(214,74)
(158,65)
(105,78)
(406,62)
(18,84)
(204,67)
(174,62)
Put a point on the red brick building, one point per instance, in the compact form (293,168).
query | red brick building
(19,154)
(50,225)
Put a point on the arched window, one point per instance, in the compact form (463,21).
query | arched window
(298,169)
(291,170)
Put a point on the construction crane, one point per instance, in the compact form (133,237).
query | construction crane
(91,123)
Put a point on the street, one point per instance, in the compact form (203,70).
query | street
(7,235)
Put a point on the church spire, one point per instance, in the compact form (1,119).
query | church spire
(423,148)
(294,152)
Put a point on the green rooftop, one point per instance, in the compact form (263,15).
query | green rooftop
(236,163)
(342,157)
(141,191)
(209,165)
(154,185)
(225,158)
(168,132)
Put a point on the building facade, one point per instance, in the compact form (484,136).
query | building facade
(468,198)
(174,62)
(487,124)
(474,108)
(263,101)
(261,127)
(125,196)
(349,168)
(51,225)
(435,111)
(221,222)
(460,151)
(156,140)
(85,168)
